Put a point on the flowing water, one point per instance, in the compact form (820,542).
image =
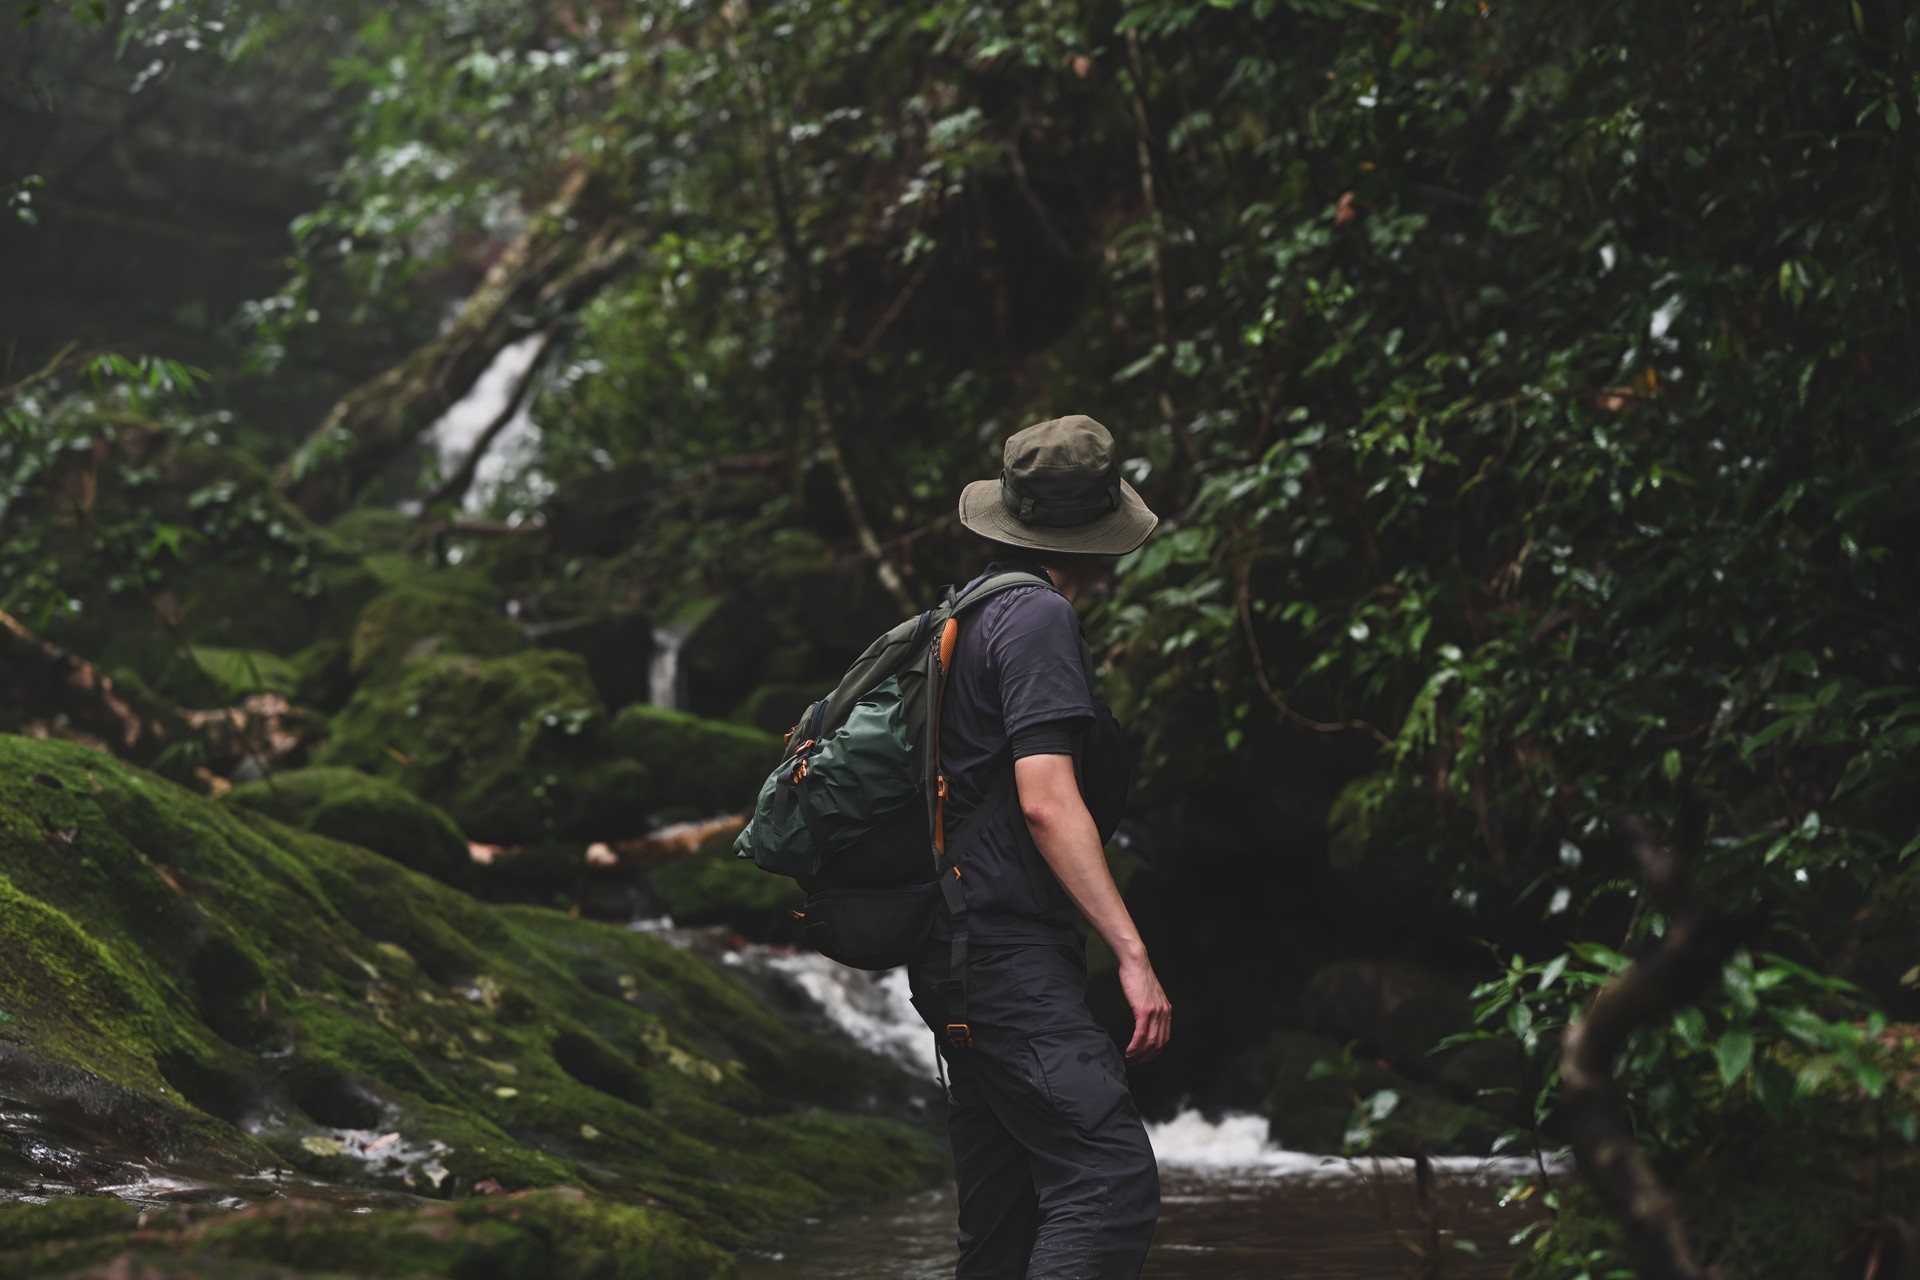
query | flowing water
(1233,1206)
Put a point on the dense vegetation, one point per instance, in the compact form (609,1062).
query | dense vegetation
(1529,388)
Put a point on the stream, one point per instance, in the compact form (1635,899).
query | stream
(1233,1205)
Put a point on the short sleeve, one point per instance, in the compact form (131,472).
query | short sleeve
(1033,642)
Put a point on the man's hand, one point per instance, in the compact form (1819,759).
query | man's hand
(1064,833)
(1152,1013)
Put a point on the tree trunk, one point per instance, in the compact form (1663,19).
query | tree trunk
(570,251)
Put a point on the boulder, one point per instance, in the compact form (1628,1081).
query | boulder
(509,746)
(358,808)
(702,766)
(712,886)
(193,990)
(1397,1011)
(776,708)
(406,624)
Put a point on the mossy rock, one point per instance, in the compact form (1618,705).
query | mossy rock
(200,989)
(1310,1109)
(406,624)
(776,708)
(712,886)
(358,808)
(511,747)
(558,1234)
(706,766)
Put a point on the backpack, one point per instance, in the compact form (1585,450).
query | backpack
(855,811)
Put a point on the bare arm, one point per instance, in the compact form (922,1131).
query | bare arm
(1064,833)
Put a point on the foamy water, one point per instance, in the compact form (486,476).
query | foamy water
(875,1012)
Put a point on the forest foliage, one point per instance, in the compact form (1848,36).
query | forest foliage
(1529,389)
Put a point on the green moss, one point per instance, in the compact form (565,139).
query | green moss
(712,884)
(178,966)
(705,765)
(509,746)
(406,624)
(561,1234)
(775,708)
(364,810)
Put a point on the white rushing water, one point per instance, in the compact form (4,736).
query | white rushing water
(454,434)
(874,1011)
(663,673)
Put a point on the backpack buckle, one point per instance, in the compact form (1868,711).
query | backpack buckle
(959,1035)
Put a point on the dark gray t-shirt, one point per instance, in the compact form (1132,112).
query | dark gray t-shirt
(1016,665)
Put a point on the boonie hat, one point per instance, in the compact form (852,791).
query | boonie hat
(1059,490)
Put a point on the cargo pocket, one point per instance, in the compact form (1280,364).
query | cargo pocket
(1079,1072)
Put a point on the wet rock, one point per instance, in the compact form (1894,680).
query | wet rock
(407,624)
(358,808)
(509,746)
(202,992)
(695,765)
(617,646)
(1396,1010)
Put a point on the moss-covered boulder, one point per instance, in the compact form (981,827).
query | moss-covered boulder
(1319,1098)
(711,886)
(406,624)
(197,988)
(776,708)
(706,766)
(510,746)
(358,808)
(558,1234)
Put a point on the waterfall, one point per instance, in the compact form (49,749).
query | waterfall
(663,674)
(453,434)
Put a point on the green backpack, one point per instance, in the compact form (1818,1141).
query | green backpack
(856,809)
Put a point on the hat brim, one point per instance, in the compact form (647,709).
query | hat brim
(1113,534)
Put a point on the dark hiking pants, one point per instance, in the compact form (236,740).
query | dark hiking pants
(1057,1181)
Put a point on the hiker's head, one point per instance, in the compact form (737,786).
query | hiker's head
(1059,493)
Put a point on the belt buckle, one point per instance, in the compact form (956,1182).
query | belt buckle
(959,1035)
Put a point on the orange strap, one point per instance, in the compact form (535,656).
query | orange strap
(948,635)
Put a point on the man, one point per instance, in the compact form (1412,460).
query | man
(1056,1177)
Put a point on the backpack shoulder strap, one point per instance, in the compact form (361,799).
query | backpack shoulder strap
(996,584)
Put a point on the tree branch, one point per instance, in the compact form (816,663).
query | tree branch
(1685,962)
(883,567)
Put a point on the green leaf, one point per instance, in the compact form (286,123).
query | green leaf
(1734,1054)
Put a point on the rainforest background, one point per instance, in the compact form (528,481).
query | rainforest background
(1529,391)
